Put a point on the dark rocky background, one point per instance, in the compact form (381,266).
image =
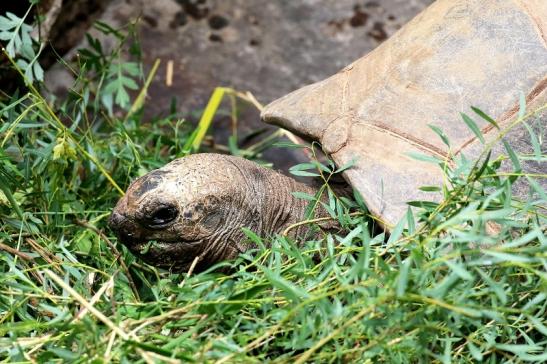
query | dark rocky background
(266,47)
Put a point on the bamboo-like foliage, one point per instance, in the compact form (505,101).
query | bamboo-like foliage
(461,280)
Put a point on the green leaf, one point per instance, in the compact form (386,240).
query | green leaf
(402,280)
(291,291)
(359,199)
(118,82)
(440,133)
(534,140)
(107,29)
(129,83)
(507,257)
(304,173)
(496,287)
(539,298)
(303,196)
(475,351)
(347,166)
(64,353)
(539,325)
(473,126)
(351,236)
(460,270)
(483,167)
(122,97)
(17,33)
(519,348)
(424,158)
(254,238)
(38,71)
(514,159)
(289,145)
(428,205)
(5,35)
(541,358)
(430,189)
(410,222)
(397,232)
(485,117)
(537,187)
(302,167)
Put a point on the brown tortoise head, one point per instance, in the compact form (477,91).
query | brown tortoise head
(196,206)
(173,214)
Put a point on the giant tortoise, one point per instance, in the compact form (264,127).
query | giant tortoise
(375,112)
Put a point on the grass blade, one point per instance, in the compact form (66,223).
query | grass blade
(194,142)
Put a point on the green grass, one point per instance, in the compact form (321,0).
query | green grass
(463,280)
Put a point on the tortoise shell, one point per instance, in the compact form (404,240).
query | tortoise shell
(377,111)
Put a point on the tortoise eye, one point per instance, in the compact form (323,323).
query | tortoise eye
(161,217)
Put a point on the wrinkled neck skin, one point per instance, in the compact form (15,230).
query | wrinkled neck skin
(267,196)
(266,206)
(215,196)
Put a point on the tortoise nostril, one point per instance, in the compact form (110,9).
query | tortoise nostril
(124,229)
(116,219)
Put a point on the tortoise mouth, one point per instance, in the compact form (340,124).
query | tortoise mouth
(146,246)
(143,247)
(176,254)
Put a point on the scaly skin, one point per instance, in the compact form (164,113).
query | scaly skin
(198,205)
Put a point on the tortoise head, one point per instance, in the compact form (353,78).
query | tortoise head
(196,206)
(191,207)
